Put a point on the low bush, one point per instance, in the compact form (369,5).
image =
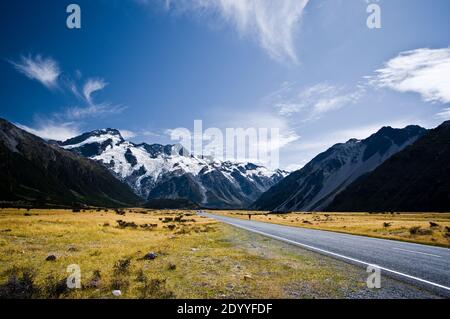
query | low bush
(123,224)
(417,230)
(20,285)
(122,266)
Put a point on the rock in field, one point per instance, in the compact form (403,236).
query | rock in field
(150,256)
(117,293)
(50,258)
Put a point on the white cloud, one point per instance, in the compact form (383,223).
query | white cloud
(52,131)
(126,134)
(272,23)
(92,109)
(76,113)
(444,114)
(91,86)
(150,133)
(322,143)
(44,70)
(275,144)
(313,101)
(424,71)
(293,167)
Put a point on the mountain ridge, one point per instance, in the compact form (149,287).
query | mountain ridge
(41,173)
(156,171)
(314,186)
(414,179)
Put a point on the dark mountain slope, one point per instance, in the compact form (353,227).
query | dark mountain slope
(314,186)
(35,172)
(415,179)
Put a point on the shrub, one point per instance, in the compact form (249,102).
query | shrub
(155,288)
(20,285)
(94,281)
(96,274)
(171,226)
(172,266)
(140,276)
(149,226)
(119,284)
(124,224)
(122,266)
(55,287)
(432,224)
(178,219)
(120,212)
(417,230)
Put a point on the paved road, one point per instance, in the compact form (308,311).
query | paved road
(421,265)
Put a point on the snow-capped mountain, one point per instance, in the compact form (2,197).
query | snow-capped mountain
(315,186)
(417,179)
(170,172)
(34,172)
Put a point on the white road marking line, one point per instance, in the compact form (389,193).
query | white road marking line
(337,255)
(417,252)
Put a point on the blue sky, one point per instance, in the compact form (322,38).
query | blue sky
(313,68)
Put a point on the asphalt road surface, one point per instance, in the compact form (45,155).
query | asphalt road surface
(421,265)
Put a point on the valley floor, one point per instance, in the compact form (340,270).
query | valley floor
(166,254)
(422,228)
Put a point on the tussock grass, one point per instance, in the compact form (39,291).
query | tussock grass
(195,258)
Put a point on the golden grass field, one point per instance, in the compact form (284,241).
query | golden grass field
(196,258)
(412,227)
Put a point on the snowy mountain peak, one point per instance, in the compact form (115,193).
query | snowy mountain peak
(157,171)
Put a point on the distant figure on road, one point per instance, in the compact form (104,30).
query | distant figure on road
(249,216)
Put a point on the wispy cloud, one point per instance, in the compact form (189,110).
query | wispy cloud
(423,71)
(52,131)
(91,86)
(77,113)
(272,23)
(444,114)
(44,70)
(313,101)
(92,109)
(48,72)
